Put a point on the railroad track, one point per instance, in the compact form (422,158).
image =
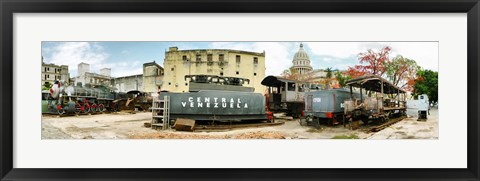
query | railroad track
(233,126)
(385,125)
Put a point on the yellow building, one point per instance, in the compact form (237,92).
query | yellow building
(220,62)
(52,73)
(152,77)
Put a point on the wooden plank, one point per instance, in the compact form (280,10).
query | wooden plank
(182,124)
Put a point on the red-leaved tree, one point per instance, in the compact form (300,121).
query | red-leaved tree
(371,62)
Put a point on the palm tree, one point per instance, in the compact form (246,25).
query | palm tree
(328,77)
(329,72)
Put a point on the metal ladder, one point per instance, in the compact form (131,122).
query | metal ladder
(161,112)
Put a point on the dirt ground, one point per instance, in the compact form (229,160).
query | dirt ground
(131,126)
(410,128)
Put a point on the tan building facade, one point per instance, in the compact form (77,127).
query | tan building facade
(152,77)
(149,82)
(52,73)
(86,77)
(220,62)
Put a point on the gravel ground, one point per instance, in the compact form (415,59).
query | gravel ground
(130,126)
(50,132)
(410,128)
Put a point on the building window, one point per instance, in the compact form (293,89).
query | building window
(199,57)
(172,69)
(237,59)
(254,74)
(209,57)
(184,57)
(238,72)
(48,68)
(221,73)
(169,83)
(220,57)
(186,84)
(255,60)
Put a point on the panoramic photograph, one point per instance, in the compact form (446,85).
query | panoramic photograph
(239,90)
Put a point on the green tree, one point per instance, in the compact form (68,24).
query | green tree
(427,83)
(401,70)
(342,80)
(329,72)
(46,86)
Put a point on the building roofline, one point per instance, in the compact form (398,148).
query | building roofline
(128,76)
(153,63)
(229,50)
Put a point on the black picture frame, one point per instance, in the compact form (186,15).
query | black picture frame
(9,7)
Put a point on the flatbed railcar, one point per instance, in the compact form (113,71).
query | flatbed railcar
(385,100)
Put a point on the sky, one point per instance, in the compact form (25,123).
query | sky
(127,58)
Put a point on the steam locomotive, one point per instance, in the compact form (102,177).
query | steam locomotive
(60,99)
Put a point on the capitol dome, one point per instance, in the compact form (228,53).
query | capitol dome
(301,61)
(301,54)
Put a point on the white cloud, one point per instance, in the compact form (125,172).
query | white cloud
(277,54)
(424,53)
(122,68)
(334,49)
(72,53)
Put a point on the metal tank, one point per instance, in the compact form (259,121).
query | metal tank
(217,105)
(326,105)
(220,99)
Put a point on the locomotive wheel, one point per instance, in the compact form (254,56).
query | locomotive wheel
(61,111)
(101,108)
(87,108)
(304,121)
(77,108)
(273,119)
(93,108)
(316,123)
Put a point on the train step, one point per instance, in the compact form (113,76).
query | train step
(161,108)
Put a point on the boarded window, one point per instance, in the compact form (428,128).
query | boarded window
(209,57)
(237,59)
(199,57)
(220,57)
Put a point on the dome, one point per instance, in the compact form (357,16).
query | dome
(301,54)
(301,61)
